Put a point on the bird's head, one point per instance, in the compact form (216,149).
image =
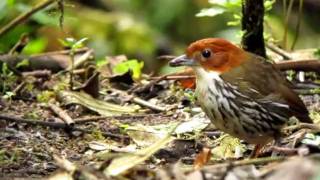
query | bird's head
(212,54)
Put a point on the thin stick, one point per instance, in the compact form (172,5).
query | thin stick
(58,125)
(245,162)
(37,73)
(279,51)
(62,52)
(147,104)
(82,59)
(23,17)
(303,126)
(175,77)
(126,118)
(141,102)
(64,164)
(61,113)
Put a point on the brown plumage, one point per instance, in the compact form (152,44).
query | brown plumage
(240,92)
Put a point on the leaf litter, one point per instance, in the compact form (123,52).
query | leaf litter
(139,127)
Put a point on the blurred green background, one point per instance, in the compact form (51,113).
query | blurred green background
(146,29)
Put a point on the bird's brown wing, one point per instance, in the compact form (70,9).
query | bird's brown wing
(260,80)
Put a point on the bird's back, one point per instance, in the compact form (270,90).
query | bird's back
(261,81)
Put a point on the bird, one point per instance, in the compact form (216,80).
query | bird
(242,94)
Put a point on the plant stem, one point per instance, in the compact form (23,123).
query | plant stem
(298,24)
(72,68)
(286,24)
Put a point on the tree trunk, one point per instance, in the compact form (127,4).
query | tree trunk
(252,25)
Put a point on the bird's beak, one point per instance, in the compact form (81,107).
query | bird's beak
(182,60)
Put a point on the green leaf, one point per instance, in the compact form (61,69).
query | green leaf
(67,42)
(73,43)
(10,2)
(133,65)
(227,147)
(317,53)
(268,5)
(23,63)
(101,62)
(36,46)
(233,23)
(45,96)
(79,44)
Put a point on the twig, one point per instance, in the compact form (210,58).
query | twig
(62,52)
(147,104)
(148,86)
(37,73)
(83,58)
(58,125)
(61,113)
(18,89)
(141,102)
(279,51)
(18,47)
(245,162)
(285,150)
(307,85)
(79,71)
(64,164)
(175,77)
(302,126)
(23,17)
(121,117)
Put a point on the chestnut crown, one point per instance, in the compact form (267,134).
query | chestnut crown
(212,54)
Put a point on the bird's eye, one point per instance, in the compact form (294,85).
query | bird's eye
(206,53)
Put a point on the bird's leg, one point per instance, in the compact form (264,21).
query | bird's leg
(277,143)
(256,151)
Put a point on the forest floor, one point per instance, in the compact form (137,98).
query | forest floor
(112,126)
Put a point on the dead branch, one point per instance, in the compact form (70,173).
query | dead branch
(61,113)
(299,65)
(57,125)
(23,17)
(54,61)
(37,73)
(246,162)
(131,117)
(62,52)
(314,127)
